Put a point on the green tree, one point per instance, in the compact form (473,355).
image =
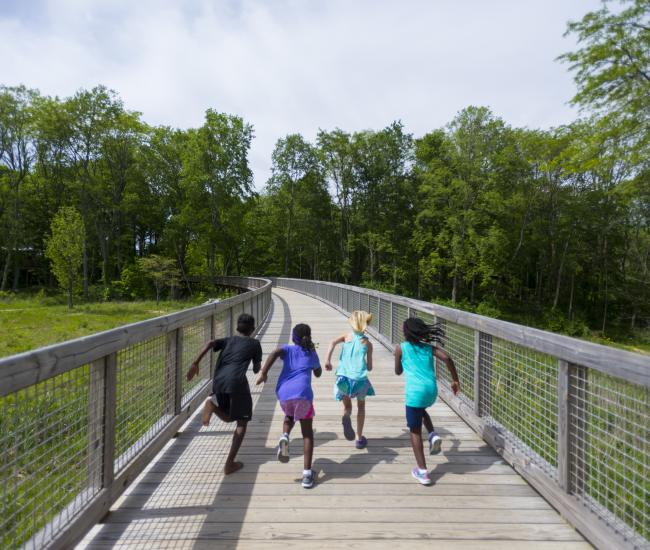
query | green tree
(162,272)
(65,248)
(612,70)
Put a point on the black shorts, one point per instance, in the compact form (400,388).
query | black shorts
(239,406)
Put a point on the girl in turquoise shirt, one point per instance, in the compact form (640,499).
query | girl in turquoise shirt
(352,374)
(415,358)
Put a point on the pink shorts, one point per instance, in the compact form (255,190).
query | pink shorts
(298,409)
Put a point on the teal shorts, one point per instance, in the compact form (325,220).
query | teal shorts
(349,387)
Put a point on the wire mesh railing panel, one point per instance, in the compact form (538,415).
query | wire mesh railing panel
(384,318)
(195,336)
(373,307)
(459,344)
(45,466)
(610,449)
(145,388)
(400,314)
(356,301)
(519,392)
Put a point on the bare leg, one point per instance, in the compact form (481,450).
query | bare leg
(209,408)
(308,441)
(428,424)
(361,416)
(347,405)
(237,438)
(288,424)
(418,451)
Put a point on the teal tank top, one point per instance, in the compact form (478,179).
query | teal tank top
(420,388)
(352,361)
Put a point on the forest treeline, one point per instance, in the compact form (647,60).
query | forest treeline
(552,224)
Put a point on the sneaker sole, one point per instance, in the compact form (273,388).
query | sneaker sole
(305,486)
(436,447)
(420,481)
(283,451)
(348,432)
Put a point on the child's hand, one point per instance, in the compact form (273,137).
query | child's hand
(261,378)
(455,387)
(194,370)
(328,365)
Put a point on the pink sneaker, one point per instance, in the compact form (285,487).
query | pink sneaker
(423,478)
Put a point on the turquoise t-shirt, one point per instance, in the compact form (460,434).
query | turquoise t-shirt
(420,388)
(353,362)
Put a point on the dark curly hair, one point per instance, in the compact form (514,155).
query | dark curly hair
(417,331)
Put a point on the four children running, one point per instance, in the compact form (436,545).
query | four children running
(231,399)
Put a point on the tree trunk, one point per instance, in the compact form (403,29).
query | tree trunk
(5,271)
(85,270)
(16,275)
(454,288)
(573,278)
(559,275)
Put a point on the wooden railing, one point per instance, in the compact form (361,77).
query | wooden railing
(80,420)
(572,417)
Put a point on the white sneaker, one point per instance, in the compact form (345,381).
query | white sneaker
(308,479)
(283,449)
(435,444)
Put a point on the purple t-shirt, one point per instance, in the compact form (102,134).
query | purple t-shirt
(295,378)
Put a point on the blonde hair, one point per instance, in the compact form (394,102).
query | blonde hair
(359,320)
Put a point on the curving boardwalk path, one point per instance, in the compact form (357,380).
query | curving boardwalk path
(363,499)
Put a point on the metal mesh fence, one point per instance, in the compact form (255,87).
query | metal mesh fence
(384,318)
(45,467)
(609,418)
(195,336)
(610,449)
(519,393)
(145,389)
(52,433)
(400,314)
(459,344)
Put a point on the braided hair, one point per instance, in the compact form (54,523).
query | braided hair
(417,331)
(301,336)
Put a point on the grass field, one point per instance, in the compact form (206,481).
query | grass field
(28,323)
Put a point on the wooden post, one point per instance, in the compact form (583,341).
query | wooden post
(96,405)
(563,432)
(379,315)
(170,372)
(110,406)
(477,373)
(392,324)
(208,335)
(485,373)
(178,390)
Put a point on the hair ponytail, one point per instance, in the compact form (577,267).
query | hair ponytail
(301,336)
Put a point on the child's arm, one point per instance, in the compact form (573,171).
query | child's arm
(330,350)
(316,368)
(368,355)
(194,367)
(455,384)
(398,359)
(267,365)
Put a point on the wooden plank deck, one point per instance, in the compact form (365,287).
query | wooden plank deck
(362,499)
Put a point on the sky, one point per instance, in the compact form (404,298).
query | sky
(297,66)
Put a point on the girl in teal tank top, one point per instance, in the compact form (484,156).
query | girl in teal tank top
(415,357)
(352,381)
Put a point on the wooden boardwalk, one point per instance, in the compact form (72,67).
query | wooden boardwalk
(363,499)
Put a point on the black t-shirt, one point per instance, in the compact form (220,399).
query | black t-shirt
(236,354)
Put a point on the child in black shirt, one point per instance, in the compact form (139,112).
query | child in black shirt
(231,396)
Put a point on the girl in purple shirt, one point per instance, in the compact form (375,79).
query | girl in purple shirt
(295,394)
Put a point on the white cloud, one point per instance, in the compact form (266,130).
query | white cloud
(290,66)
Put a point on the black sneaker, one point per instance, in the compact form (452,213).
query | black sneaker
(308,479)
